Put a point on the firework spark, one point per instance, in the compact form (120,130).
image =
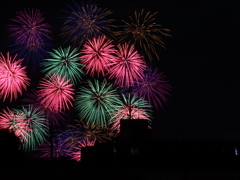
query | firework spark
(13,77)
(97,54)
(144,33)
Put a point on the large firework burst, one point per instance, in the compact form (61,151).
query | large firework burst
(65,62)
(85,21)
(56,93)
(37,122)
(97,54)
(132,108)
(153,88)
(93,104)
(31,36)
(13,77)
(127,67)
(144,33)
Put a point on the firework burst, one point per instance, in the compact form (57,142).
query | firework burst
(127,67)
(65,62)
(131,108)
(153,88)
(85,21)
(144,33)
(31,36)
(97,54)
(56,93)
(15,122)
(37,122)
(94,103)
(13,77)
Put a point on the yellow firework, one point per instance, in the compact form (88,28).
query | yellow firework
(144,33)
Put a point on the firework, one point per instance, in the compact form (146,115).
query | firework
(153,88)
(37,122)
(85,21)
(131,108)
(56,93)
(31,36)
(54,119)
(65,62)
(144,33)
(127,67)
(97,54)
(94,103)
(51,150)
(15,122)
(13,77)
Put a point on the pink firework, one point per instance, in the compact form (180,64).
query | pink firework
(56,93)
(123,113)
(16,123)
(97,54)
(13,77)
(76,154)
(127,67)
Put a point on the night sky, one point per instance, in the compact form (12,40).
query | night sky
(201,61)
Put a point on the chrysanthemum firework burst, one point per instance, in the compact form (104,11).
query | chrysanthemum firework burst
(15,122)
(31,36)
(97,54)
(153,87)
(144,33)
(56,93)
(85,21)
(65,62)
(94,103)
(37,122)
(131,108)
(127,67)
(13,77)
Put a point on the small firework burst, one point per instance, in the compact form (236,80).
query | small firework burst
(13,77)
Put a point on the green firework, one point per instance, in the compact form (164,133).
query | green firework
(65,62)
(95,103)
(37,123)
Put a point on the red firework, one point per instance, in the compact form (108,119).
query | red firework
(97,54)
(13,77)
(56,93)
(16,123)
(127,67)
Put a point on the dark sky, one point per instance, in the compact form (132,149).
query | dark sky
(201,62)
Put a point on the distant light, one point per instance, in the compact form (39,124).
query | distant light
(236,151)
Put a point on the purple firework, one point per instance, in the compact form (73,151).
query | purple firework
(153,87)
